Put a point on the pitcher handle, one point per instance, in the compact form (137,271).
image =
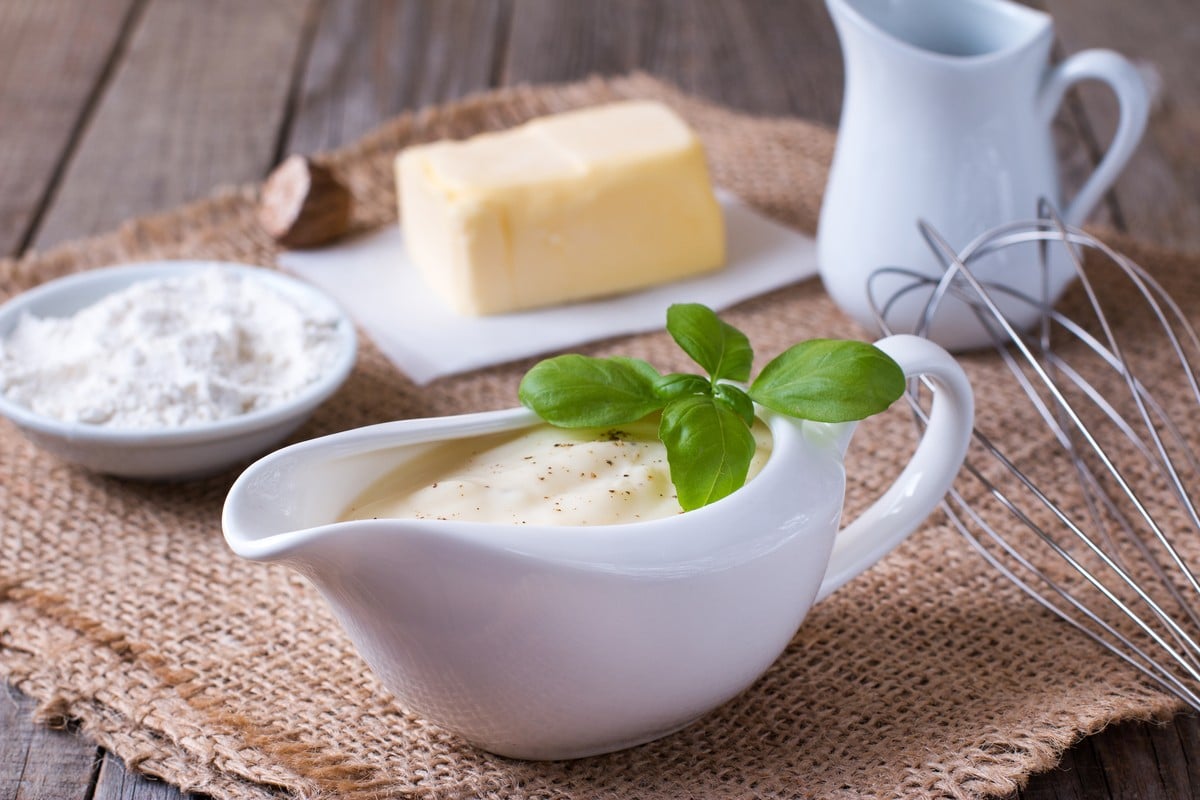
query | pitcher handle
(919,488)
(1134,101)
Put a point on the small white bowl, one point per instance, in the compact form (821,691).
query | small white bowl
(176,453)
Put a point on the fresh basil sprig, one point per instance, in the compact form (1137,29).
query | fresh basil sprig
(705,421)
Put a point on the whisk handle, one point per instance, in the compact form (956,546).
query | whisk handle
(919,488)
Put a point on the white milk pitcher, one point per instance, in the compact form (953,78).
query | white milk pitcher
(946,118)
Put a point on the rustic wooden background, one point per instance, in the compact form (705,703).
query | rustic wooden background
(115,108)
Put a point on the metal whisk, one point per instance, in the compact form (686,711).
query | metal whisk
(1092,513)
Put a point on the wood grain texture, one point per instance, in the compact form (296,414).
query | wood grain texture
(117,783)
(1159,192)
(1147,761)
(1070,780)
(198,101)
(372,60)
(53,60)
(38,761)
(759,56)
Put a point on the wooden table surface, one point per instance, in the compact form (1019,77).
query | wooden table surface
(115,108)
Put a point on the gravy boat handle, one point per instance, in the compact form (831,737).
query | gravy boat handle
(927,477)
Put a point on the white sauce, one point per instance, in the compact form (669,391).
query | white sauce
(538,476)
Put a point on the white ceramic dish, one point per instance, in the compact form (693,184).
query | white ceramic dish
(543,642)
(177,453)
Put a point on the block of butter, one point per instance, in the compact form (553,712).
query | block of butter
(567,207)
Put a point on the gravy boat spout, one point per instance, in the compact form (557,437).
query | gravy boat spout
(550,642)
(287,503)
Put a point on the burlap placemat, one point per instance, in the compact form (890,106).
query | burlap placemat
(121,606)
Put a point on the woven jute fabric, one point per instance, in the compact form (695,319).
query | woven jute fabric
(121,607)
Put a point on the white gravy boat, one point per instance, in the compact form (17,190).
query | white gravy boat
(561,642)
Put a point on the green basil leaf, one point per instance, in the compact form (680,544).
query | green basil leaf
(829,380)
(736,400)
(709,449)
(681,384)
(645,368)
(575,391)
(720,348)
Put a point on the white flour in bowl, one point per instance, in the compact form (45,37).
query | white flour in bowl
(169,352)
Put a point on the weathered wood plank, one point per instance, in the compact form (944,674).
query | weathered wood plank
(117,783)
(764,57)
(1187,728)
(53,59)
(1069,780)
(198,101)
(1129,760)
(1159,192)
(1166,745)
(371,60)
(39,762)
(1131,767)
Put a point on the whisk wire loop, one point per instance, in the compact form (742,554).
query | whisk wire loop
(1095,549)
